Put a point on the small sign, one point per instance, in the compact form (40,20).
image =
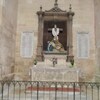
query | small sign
(83,45)
(26,48)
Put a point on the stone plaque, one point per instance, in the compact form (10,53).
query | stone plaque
(26,48)
(83,45)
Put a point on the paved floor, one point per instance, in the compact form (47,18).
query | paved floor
(41,95)
(22,94)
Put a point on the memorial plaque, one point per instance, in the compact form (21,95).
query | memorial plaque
(26,48)
(83,45)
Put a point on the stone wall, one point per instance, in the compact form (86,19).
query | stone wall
(8,24)
(83,21)
(97,33)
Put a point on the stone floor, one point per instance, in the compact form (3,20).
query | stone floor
(22,94)
(46,96)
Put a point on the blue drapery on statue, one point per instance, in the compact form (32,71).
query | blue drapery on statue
(49,47)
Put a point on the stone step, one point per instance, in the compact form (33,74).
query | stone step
(55,56)
(57,66)
(49,63)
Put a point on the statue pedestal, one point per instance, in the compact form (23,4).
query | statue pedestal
(61,71)
(55,74)
(61,60)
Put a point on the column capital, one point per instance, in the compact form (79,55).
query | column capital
(70,13)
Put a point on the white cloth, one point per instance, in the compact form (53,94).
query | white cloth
(55,31)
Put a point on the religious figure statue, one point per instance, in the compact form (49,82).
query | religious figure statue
(55,44)
(55,32)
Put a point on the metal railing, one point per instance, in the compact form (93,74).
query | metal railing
(28,90)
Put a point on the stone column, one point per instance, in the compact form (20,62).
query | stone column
(70,15)
(40,35)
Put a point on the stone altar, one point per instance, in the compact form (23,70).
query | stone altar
(55,74)
(45,71)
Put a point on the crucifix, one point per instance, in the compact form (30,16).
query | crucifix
(55,31)
(56,4)
(56,1)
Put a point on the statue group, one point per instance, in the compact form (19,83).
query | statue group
(54,44)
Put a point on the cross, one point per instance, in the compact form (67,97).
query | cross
(55,31)
(56,3)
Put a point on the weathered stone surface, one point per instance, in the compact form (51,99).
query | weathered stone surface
(82,21)
(8,24)
(55,74)
(97,34)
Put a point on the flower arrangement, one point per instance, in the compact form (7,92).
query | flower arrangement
(72,62)
(35,62)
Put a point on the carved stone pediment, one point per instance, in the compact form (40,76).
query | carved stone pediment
(55,9)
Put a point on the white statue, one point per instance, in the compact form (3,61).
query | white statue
(55,32)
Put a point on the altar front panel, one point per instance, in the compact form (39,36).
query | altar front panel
(55,74)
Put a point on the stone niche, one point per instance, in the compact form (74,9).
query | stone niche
(47,19)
